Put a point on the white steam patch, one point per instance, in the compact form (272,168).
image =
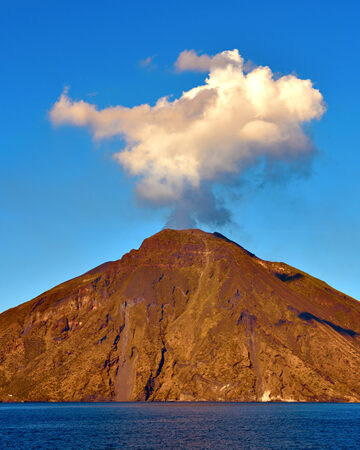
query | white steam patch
(179,148)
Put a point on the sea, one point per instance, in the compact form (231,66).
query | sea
(179,425)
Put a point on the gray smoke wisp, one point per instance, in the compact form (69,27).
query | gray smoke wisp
(179,149)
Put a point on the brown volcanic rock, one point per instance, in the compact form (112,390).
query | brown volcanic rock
(188,316)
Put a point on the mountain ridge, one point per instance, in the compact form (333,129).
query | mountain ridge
(188,316)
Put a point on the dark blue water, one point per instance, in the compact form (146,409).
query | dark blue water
(179,425)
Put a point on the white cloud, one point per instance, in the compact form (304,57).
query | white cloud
(148,62)
(189,60)
(215,129)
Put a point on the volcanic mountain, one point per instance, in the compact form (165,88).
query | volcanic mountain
(188,316)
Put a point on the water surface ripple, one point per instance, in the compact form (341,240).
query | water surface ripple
(179,425)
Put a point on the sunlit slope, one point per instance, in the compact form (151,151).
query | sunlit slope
(188,316)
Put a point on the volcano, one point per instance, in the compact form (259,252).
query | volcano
(189,316)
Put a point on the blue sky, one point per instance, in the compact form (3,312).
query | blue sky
(66,206)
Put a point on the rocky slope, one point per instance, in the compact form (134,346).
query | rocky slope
(188,316)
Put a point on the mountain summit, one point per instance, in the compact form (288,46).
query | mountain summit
(189,316)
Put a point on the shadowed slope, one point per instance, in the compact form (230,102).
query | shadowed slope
(188,316)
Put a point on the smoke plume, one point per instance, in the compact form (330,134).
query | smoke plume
(179,149)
